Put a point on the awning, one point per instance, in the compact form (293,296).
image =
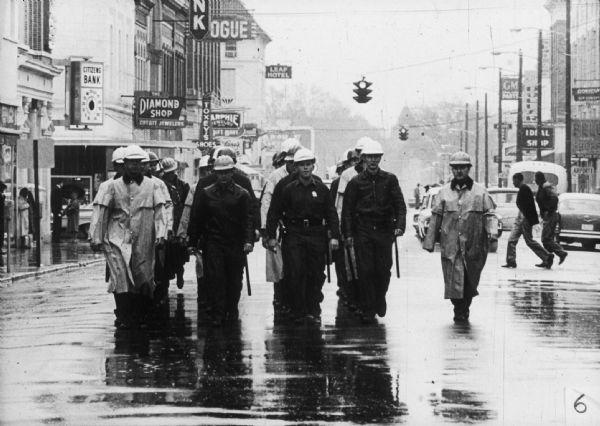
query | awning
(124,142)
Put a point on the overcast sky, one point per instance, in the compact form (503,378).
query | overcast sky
(414,51)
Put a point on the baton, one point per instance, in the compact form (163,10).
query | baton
(397,263)
(247,276)
(328,260)
(352,261)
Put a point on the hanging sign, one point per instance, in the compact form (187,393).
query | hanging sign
(158,112)
(510,89)
(87,85)
(278,71)
(198,18)
(205,122)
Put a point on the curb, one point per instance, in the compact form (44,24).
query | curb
(7,281)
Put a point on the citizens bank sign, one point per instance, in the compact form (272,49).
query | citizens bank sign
(158,112)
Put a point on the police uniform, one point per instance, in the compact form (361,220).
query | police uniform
(373,209)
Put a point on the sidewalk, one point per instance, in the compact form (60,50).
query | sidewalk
(63,255)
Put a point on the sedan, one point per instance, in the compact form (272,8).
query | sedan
(422,217)
(579,219)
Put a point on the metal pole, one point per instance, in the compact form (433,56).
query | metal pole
(520,110)
(500,128)
(538,156)
(467,127)
(477,140)
(485,158)
(461,139)
(35,207)
(568,96)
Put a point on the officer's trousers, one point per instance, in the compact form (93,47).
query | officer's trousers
(224,266)
(304,257)
(373,248)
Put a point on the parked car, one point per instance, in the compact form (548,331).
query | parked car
(579,219)
(506,205)
(422,217)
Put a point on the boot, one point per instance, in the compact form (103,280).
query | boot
(123,311)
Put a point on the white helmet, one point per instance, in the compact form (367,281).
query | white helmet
(118,154)
(169,164)
(372,147)
(135,152)
(223,162)
(204,161)
(460,158)
(360,143)
(303,155)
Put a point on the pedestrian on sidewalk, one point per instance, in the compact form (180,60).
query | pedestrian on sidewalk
(222,228)
(547,200)
(373,216)
(523,225)
(23,208)
(130,224)
(463,221)
(2,219)
(72,213)
(417,195)
(56,206)
(308,214)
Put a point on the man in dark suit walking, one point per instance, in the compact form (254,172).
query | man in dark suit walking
(523,225)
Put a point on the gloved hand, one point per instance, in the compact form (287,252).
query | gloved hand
(334,244)
(272,245)
(398,232)
(349,241)
(248,248)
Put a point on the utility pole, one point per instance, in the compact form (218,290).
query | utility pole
(467,127)
(520,110)
(538,156)
(485,159)
(568,96)
(477,140)
(500,128)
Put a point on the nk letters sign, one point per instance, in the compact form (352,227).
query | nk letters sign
(86,100)
(530,138)
(510,89)
(585,138)
(198,17)
(158,112)
(278,71)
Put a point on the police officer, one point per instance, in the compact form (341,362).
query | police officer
(223,230)
(308,213)
(176,253)
(373,215)
(274,261)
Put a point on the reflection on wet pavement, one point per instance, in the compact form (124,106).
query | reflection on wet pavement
(529,349)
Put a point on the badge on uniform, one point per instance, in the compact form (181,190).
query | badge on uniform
(314,194)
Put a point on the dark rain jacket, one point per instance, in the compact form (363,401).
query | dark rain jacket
(223,215)
(547,199)
(373,200)
(526,204)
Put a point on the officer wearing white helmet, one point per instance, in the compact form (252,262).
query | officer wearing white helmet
(309,216)
(223,231)
(373,216)
(129,240)
(350,172)
(465,212)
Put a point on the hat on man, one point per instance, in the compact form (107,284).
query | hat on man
(117,155)
(360,143)
(223,162)
(152,156)
(304,154)
(227,151)
(204,161)
(133,153)
(169,164)
(372,147)
(460,158)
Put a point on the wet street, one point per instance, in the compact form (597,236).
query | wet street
(530,355)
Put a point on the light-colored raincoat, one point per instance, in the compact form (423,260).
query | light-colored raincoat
(129,219)
(462,219)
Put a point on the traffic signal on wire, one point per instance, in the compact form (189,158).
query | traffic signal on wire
(403,133)
(362,91)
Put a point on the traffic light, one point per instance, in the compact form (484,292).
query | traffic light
(362,91)
(403,133)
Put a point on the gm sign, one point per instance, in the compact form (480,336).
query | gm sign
(199,25)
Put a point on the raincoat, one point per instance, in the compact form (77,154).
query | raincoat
(129,219)
(274,261)
(461,220)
